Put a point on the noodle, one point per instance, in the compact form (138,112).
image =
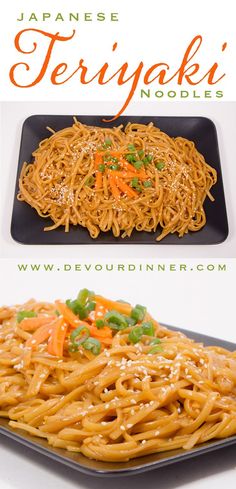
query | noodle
(119,180)
(134,396)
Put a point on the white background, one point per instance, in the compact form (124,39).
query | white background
(204,302)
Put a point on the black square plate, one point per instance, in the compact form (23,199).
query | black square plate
(27,227)
(138,465)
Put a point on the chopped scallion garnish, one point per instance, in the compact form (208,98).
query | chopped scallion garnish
(138,164)
(155,349)
(155,341)
(148,328)
(78,337)
(131,147)
(77,308)
(93,345)
(147,183)
(90,181)
(160,165)
(101,168)
(25,314)
(135,334)
(99,323)
(115,320)
(138,313)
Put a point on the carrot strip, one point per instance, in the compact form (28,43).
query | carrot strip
(106,341)
(127,174)
(125,188)
(97,159)
(100,311)
(99,180)
(30,324)
(121,307)
(73,321)
(40,335)
(57,338)
(114,189)
(102,333)
(128,166)
(69,316)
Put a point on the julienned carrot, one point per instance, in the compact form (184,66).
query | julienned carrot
(114,189)
(30,324)
(131,168)
(105,341)
(100,311)
(100,333)
(128,174)
(73,321)
(98,159)
(121,307)
(57,338)
(98,181)
(69,316)
(40,335)
(125,188)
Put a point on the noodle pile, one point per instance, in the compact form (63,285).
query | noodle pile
(126,401)
(119,180)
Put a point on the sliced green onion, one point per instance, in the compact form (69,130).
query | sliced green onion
(160,165)
(135,334)
(141,153)
(90,181)
(138,164)
(25,314)
(77,308)
(147,183)
(131,147)
(134,182)
(131,158)
(130,321)
(78,335)
(138,313)
(57,313)
(115,320)
(100,323)
(155,349)
(155,341)
(93,345)
(90,307)
(101,168)
(84,295)
(149,158)
(107,143)
(148,328)
(115,166)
